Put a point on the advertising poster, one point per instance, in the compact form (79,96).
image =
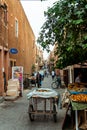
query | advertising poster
(17,73)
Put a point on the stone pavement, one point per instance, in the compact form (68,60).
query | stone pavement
(14,114)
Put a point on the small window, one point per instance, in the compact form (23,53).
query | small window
(16,27)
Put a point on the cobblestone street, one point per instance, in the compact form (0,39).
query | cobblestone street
(14,114)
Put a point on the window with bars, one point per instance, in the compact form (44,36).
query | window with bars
(16,27)
(12,63)
(5,14)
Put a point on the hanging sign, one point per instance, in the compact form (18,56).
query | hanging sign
(13,51)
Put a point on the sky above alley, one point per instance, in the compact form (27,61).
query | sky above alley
(34,10)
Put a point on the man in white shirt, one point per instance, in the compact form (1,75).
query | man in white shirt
(53,74)
(78,78)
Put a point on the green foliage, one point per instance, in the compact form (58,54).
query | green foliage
(66,24)
(33,68)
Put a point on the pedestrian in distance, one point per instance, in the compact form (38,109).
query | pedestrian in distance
(47,73)
(58,80)
(38,79)
(53,74)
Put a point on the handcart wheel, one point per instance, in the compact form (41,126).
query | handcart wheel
(30,110)
(54,113)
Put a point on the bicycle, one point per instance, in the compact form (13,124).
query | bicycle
(55,84)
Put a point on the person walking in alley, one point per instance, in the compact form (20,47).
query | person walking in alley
(58,80)
(53,74)
(38,79)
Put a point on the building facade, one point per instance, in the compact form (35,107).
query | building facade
(15,32)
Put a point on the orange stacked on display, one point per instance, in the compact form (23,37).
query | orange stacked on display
(79,97)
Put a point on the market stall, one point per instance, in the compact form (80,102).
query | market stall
(42,101)
(78,99)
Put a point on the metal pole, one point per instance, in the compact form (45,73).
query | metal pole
(76,119)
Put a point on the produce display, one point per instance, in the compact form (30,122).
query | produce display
(78,92)
(42,90)
(79,97)
(76,87)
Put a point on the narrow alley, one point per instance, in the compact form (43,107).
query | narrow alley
(14,114)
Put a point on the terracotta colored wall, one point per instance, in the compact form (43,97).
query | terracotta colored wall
(25,41)
(3,46)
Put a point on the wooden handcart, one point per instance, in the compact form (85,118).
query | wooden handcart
(43,105)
